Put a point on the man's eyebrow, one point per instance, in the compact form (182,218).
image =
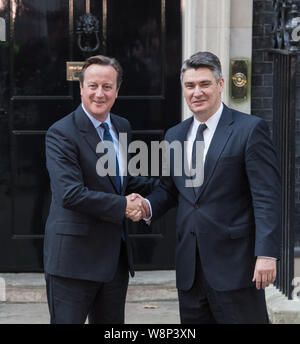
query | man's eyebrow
(205,82)
(201,82)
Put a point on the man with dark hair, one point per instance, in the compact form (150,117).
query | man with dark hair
(103,61)
(87,253)
(228,226)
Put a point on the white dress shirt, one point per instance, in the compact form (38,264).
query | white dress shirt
(208,133)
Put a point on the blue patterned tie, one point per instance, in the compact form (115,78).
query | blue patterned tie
(107,137)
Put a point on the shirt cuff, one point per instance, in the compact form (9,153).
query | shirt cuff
(266,257)
(148,218)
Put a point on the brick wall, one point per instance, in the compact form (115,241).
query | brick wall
(262,65)
(262,85)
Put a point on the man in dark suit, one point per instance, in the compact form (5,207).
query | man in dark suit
(228,227)
(87,253)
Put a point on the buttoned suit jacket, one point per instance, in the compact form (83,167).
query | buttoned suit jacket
(87,213)
(235,215)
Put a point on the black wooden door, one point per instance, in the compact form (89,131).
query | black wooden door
(41,37)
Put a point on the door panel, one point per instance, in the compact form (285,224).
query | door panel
(145,36)
(40,33)
(5,153)
(143,43)
(141,50)
(37,94)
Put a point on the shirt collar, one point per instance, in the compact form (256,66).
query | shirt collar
(213,120)
(95,122)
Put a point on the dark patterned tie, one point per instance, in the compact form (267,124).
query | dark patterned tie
(199,137)
(107,137)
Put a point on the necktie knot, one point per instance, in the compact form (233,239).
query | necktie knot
(199,135)
(105,126)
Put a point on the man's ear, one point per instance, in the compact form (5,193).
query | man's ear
(221,83)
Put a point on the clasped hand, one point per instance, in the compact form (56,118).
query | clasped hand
(137,208)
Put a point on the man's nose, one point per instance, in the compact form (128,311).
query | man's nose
(99,92)
(197,90)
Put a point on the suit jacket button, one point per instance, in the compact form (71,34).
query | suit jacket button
(196,205)
(193,233)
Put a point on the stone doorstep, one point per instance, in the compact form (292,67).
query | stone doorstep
(26,294)
(161,292)
(30,288)
(147,287)
(280,309)
(136,293)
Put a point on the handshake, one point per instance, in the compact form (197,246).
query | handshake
(137,208)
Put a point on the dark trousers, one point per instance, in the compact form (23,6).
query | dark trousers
(204,305)
(71,301)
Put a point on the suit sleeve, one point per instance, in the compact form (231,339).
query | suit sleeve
(265,185)
(165,193)
(67,186)
(163,197)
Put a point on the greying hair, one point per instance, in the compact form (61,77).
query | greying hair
(203,59)
(103,61)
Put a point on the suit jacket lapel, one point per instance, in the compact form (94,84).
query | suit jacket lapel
(86,128)
(218,142)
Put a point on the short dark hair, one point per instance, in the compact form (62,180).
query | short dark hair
(103,61)
(203,59)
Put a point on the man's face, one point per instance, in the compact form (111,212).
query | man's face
(202,92)
(99,90)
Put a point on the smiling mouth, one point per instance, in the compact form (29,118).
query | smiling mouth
(98,102)
(199,101)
